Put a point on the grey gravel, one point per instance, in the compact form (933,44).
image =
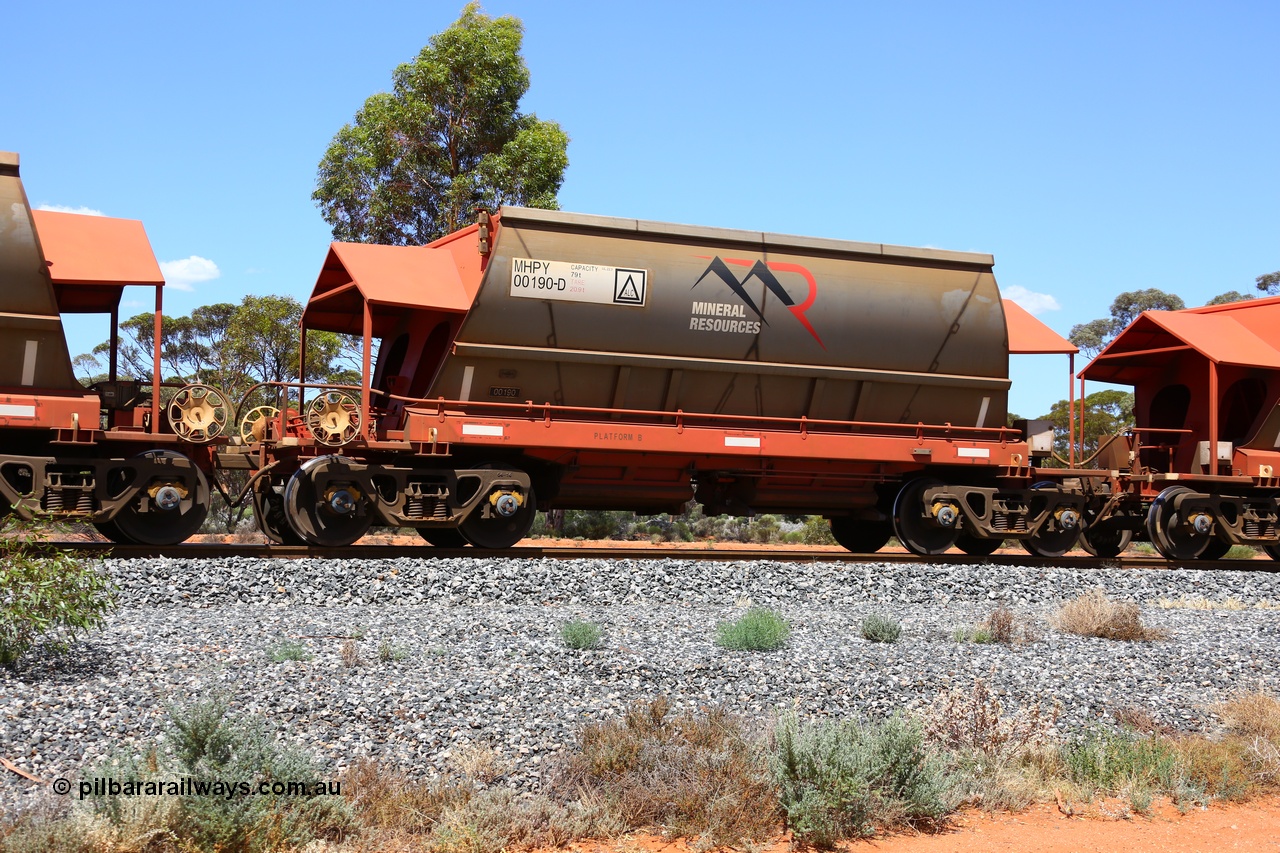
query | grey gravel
(483,663)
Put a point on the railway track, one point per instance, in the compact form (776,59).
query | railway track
(573,552)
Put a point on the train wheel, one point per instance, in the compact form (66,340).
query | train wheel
(1053,542)
(176,506)
(112,532)
(1215,550)
(1273,551)
(860,536)
(1170,536)
(444,537)
(268,511)
(509,521)
(330,518)
(915,529)
(975,547)
(1105,543)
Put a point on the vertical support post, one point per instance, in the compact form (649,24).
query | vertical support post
(1071,407)
(1213,417)
(366,373)
(302,377)
(302,364)
(1080,432)
(155,363)
(115,342)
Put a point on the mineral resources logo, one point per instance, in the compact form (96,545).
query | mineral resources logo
(731,317)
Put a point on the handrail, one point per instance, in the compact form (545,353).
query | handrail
(803,424)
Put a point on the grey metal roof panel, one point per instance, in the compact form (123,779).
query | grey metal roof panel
(769,241)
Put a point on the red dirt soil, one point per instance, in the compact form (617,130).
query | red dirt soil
(1103,828)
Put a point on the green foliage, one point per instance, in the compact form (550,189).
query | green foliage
(1229,297)
(1269,283)
(228,346)
(45,593)
(816,531)
(1105,413)
(449,138)
(580,634)
(1122,763)
(881,629)
(841,780)
(210,747)
(1093,336)
(757,630)
(388,653)
(289,650)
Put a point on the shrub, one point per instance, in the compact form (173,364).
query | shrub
(977,634)
(209,747)
(288,650)
(974,720)
(1136,766)
(1255,714)
(1095,615)
(388,653)
(757,630)
(840,780)
(697,776)
(45,594)
(881,629)
(350,654)
(579,634)
(816,531)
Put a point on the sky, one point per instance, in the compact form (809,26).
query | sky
(1092,148)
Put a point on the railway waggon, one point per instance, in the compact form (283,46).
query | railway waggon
(542,360)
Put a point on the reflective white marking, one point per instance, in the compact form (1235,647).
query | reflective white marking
(467,373)
(982,412)
(741,441)
(29,363)
(481,429)
(17,411)
(973,452)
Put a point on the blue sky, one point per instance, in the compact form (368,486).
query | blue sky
(1091,147)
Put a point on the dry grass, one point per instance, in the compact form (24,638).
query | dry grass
(1254,714)
(386,799)
(1141,720)
(974,721)
(698,776)
(1095,615)
(350,654)
(1199,602)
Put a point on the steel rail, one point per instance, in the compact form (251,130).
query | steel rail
(574,552)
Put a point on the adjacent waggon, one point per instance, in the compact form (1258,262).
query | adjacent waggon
(541,360)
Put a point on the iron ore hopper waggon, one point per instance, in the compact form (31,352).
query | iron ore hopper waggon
(541,360)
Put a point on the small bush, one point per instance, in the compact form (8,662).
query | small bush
(974,721)
(977,634)
(881,629)
(288,650)
(45,594)
(350,654)
(757,630)
(1255,714)
(816,531)
(1095,615)
(388,653)
(580,634)
(847,779)
(697,776)
(1138,767)
(211,748)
